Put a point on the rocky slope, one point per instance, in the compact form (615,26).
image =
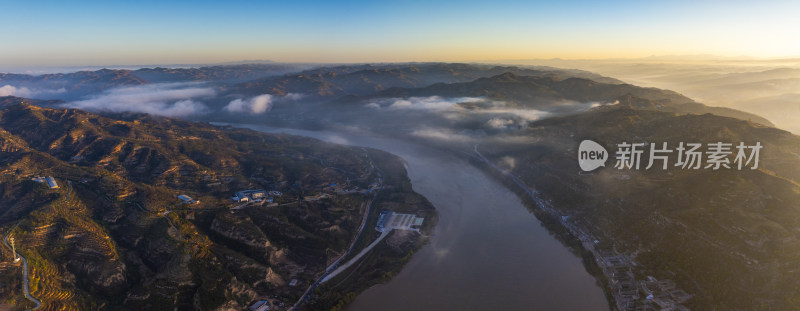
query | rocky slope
(115,236)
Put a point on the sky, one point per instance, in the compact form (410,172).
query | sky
(98,33)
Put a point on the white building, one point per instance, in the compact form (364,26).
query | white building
(262,305)
(51,182)
(250,195)
(187,199)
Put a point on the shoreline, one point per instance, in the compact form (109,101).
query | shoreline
(587,261)
(549,219)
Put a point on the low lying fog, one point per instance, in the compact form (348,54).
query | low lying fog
(769,88)
(182,100)
(165,99)
(461,119)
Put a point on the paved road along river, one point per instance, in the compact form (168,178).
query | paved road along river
(488,252)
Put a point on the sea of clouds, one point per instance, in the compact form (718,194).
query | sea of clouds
(21,91)
(164,99)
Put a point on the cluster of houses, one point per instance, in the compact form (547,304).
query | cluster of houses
(244,196)
(630,294)
(266,304)
(264,196)
(258,195)
(261,305)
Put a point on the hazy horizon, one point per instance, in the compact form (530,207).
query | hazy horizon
(553,62)
(762,86)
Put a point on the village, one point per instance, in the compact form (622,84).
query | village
(268,193)
(629,293)
(262,197)
(281,193)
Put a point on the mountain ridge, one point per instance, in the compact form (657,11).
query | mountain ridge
(115,236)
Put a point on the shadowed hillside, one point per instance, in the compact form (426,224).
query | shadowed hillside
(114,235)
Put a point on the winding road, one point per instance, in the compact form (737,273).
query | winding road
(25,288)
(333,266)
(488,252)
(356,258)
(25,285)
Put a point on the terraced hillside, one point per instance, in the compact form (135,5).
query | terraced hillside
(114,235)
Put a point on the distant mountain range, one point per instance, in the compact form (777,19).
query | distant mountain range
(529,87)
(726,237)
(361,80)
(72,86)
(546,93)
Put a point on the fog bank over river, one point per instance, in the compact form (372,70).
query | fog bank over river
(488,252)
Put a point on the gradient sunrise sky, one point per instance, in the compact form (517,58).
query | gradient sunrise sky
(64,33)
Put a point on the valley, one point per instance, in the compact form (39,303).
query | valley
(116,234)
(486,155)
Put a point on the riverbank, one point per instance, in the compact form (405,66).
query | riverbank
(486,251)
(550,219)
(386,258)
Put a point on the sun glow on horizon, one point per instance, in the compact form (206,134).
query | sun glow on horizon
(151,32)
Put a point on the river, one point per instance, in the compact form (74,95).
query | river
(488,252)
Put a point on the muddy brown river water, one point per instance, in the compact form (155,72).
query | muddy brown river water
(488,252)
